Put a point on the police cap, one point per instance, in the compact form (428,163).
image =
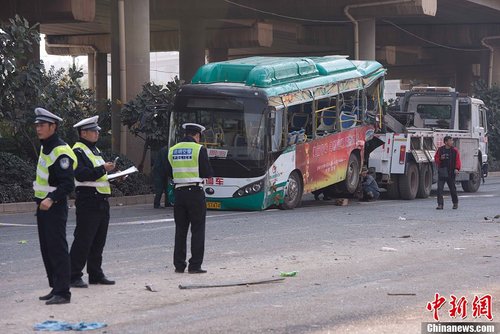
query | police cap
(88,124)
(45,116)
(193,127)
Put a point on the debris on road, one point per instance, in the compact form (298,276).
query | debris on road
(405,236)
(401,218)
(341,201)
(223,285)
(149,287)
(22,242)
(59,326)
(388,249)
(288,273)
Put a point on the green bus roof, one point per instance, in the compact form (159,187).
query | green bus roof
(280,74)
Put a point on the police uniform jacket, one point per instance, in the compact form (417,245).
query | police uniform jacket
(204,164)
(85,171)
(61,174)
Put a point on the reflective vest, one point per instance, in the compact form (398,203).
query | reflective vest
(41,184)
(183,158)
(101,184)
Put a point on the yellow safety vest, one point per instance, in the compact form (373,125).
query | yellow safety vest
(101,184)
(183,158)
(41,184)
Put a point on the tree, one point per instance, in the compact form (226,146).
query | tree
(25,84)
(491,98)
(147,116)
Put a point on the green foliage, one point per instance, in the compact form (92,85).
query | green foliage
(26,84)
(16,179)
(147,116)
(491,98)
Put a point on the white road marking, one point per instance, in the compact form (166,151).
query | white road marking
(146,221)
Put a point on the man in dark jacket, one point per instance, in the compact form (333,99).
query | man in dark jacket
(448,162)
(371,191)
(54,182)
(160,178)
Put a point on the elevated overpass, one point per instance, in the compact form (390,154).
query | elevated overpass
(440,42)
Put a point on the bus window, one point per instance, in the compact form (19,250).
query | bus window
(276,124)
(326,116)
(464,117)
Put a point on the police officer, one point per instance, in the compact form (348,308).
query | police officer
(188,164)
(92,207)
(54,182)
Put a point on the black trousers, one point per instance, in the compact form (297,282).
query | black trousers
(54,247)
(189,210)
(92,221)
(451,185)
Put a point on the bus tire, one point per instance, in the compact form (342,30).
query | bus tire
(408,182)
(472,185)
(351,182)
(294,190)
(424,181)
(393,187)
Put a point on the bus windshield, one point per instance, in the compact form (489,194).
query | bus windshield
(235,129)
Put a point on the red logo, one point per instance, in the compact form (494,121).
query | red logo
(481,306)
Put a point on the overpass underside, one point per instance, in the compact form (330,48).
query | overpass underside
(438,42)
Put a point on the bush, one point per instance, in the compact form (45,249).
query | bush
(16,179)
(134,184)
(17,176)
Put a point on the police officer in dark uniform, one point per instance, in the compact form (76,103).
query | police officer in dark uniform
(92,207)
(188,164)
(54,182)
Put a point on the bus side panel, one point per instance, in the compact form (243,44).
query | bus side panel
(323,161)
(278,176)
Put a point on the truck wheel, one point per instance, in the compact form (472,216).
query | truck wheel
(293,192)
(393,187)
(474,182)
(424,181)
(408,183)
(350,184)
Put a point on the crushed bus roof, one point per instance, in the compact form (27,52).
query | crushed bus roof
(275,72)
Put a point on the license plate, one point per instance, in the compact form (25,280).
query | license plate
(213,205)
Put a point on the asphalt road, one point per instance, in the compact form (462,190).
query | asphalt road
(350,260)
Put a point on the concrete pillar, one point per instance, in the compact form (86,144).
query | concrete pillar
(91,70)
(495,70)
(463,78)
(191,47)
(131,46)
(217,54)
(116,103)
(367,39)
(101,79)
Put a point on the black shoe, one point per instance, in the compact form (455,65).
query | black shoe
(179,270)
(439,207)
(455,206)
(197,271)
(46,297)
(55,300)
(79,283)
(102,280)
(156,207)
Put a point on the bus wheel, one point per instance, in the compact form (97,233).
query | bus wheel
(393,187)
(293,194)
(474,182)
(424,181)
(408,183)
(350,184)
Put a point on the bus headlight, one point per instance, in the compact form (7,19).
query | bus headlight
(250,189)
